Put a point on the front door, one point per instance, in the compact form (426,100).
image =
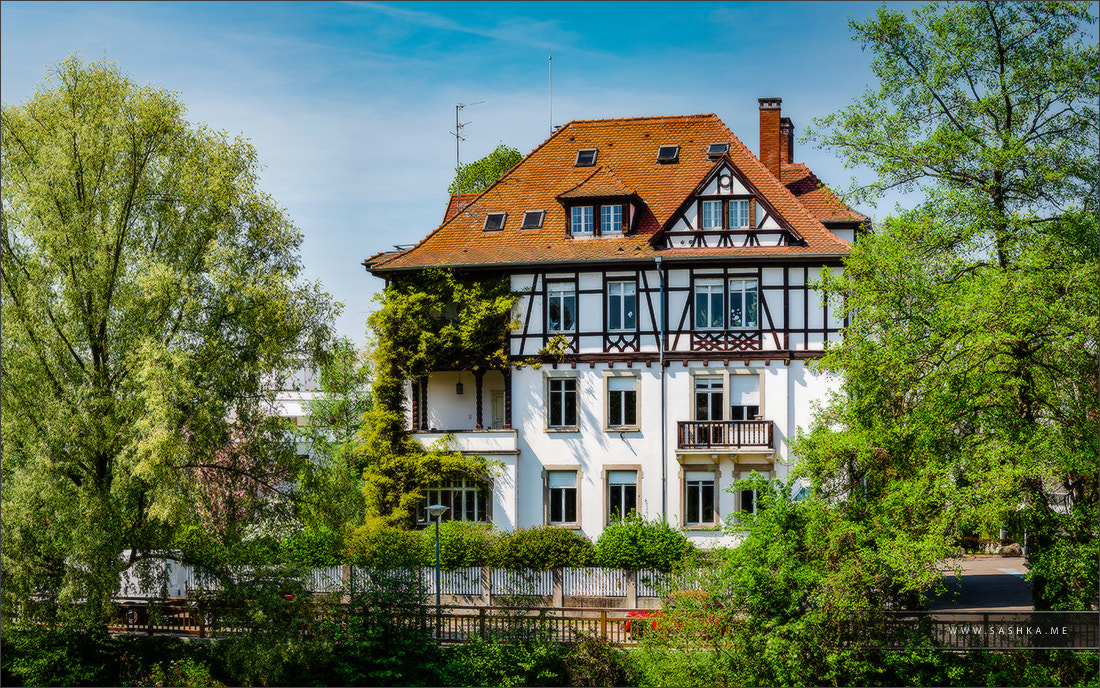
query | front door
(496,404)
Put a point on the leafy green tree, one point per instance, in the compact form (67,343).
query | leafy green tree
(970,361)
(149,293)
(329,484)
(480,174)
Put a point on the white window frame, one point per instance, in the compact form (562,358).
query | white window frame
(611,216)
(712,288)
(710,215)
(555,474)
(697,476)
(621,291)
(611,473)
(582,221)
(468,489)
(557,393)
(564,293)
(611,382)
(742,287)
(739,210)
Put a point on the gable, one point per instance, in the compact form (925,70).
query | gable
(727,210)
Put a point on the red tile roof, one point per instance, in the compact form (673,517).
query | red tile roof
(816,197)
(626,165)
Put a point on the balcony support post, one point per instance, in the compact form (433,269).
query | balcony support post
(479,378)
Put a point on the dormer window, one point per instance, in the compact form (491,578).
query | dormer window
(596,220)
(717,150)
(667,155)
(494,222)
(532,219)
(586,157)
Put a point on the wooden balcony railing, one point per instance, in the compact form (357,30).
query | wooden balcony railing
(724,434)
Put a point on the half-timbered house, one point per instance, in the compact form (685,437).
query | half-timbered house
(677,270)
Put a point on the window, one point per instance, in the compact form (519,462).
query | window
(562,403)
(532,219)
(699,498)
(708,397)
(622,306)
(465,501)
(494,222)
(708,304)
(561,307)
(622,493)
(743,303)
(712,214)
(586,157)
(747,499)
(562,496)
(739,214)
(581,220)
(668,154)
(622,401)
(717,150)
(611,219)
(744,397)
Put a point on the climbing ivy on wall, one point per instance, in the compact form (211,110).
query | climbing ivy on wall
(433,320)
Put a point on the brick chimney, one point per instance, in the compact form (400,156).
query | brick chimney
(786,135)
(771,139)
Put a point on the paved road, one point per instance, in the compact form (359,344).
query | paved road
(989,582)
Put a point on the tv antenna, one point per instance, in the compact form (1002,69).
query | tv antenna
(457,133)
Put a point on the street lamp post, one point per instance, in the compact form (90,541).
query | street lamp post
(437,511)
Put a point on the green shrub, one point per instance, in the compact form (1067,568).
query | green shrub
(592,661)
(57,657)
(313,547)
(635,543)
(543,547)
(461,543)
(537,661)
(386,547)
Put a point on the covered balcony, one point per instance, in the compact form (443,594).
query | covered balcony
(725,434)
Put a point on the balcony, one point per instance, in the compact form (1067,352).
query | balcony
(725,434)
(475,441)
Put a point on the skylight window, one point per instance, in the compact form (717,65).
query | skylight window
(668,154)
(717,150)
(494,222)
(532,219)
(586,157)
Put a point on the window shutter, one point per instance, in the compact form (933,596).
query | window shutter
(556,479)
(744,390)
(623,383)
(622,477)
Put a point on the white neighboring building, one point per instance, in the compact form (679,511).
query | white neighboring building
(678,267)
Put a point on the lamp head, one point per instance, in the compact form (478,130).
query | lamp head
(437,510)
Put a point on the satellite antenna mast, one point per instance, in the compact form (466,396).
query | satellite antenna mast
(550,78)
(459,138)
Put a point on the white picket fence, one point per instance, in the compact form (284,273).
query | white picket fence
(526,582)
(594,582)
(576,582)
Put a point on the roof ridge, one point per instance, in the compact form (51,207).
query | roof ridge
(706,115)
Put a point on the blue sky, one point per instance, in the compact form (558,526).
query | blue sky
(350,104)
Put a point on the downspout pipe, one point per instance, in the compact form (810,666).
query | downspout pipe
(664,406)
